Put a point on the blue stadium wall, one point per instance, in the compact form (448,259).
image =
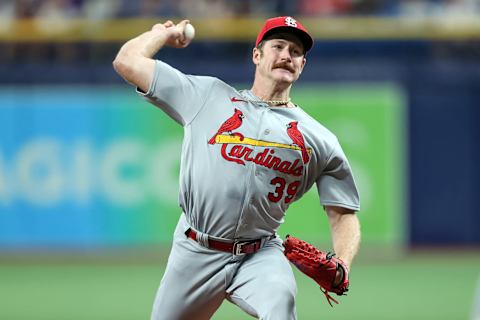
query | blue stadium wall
(442,83)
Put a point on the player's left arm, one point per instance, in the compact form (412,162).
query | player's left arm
(345,230)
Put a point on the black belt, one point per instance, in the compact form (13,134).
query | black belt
(237,247)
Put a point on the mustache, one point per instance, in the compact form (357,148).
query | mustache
(283,65)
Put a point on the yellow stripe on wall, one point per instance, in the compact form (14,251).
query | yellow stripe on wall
(241,29)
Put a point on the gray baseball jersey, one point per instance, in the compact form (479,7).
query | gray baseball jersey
(243,163)
(240,166)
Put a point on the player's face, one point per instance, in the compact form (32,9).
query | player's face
(280,59)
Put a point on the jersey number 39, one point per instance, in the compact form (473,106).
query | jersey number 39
(281,185)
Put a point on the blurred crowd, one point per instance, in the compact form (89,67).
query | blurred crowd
(53,17)
(108,9)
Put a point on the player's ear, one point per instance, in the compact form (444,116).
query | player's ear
(304,61)
(256,53)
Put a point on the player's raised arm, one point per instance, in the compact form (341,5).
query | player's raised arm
(135,63)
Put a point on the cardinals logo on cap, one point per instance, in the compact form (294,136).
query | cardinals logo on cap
(289,21)
(285,24)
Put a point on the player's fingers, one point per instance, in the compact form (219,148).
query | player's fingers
(181,27)
(181,42)
(158,26)
(175,37)
(183,23)
(168,24)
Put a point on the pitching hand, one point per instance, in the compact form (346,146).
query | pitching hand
(174,32)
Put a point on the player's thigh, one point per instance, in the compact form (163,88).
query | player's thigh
(193,285)
(264,284)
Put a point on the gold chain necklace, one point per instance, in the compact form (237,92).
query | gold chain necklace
(272,103)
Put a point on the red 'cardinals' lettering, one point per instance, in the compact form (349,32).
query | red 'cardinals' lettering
(297,139)
(241,154)
(232,123)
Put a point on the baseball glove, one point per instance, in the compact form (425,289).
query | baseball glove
(320,266)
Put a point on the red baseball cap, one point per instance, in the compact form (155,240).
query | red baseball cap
(285,24)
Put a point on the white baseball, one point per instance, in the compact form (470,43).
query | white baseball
(189,32)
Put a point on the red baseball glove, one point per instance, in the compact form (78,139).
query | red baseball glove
(320,266)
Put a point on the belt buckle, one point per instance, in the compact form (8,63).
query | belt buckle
(237,247)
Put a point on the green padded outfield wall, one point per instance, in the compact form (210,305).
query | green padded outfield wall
(98,166)
(369,121)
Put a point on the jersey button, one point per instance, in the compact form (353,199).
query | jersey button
(267,131)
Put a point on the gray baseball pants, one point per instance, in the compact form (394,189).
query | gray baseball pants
(197,280)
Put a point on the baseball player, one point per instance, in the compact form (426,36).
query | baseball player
(246,156)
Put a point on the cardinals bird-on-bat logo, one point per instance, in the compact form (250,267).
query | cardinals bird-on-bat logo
(232,123)
(297,138)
